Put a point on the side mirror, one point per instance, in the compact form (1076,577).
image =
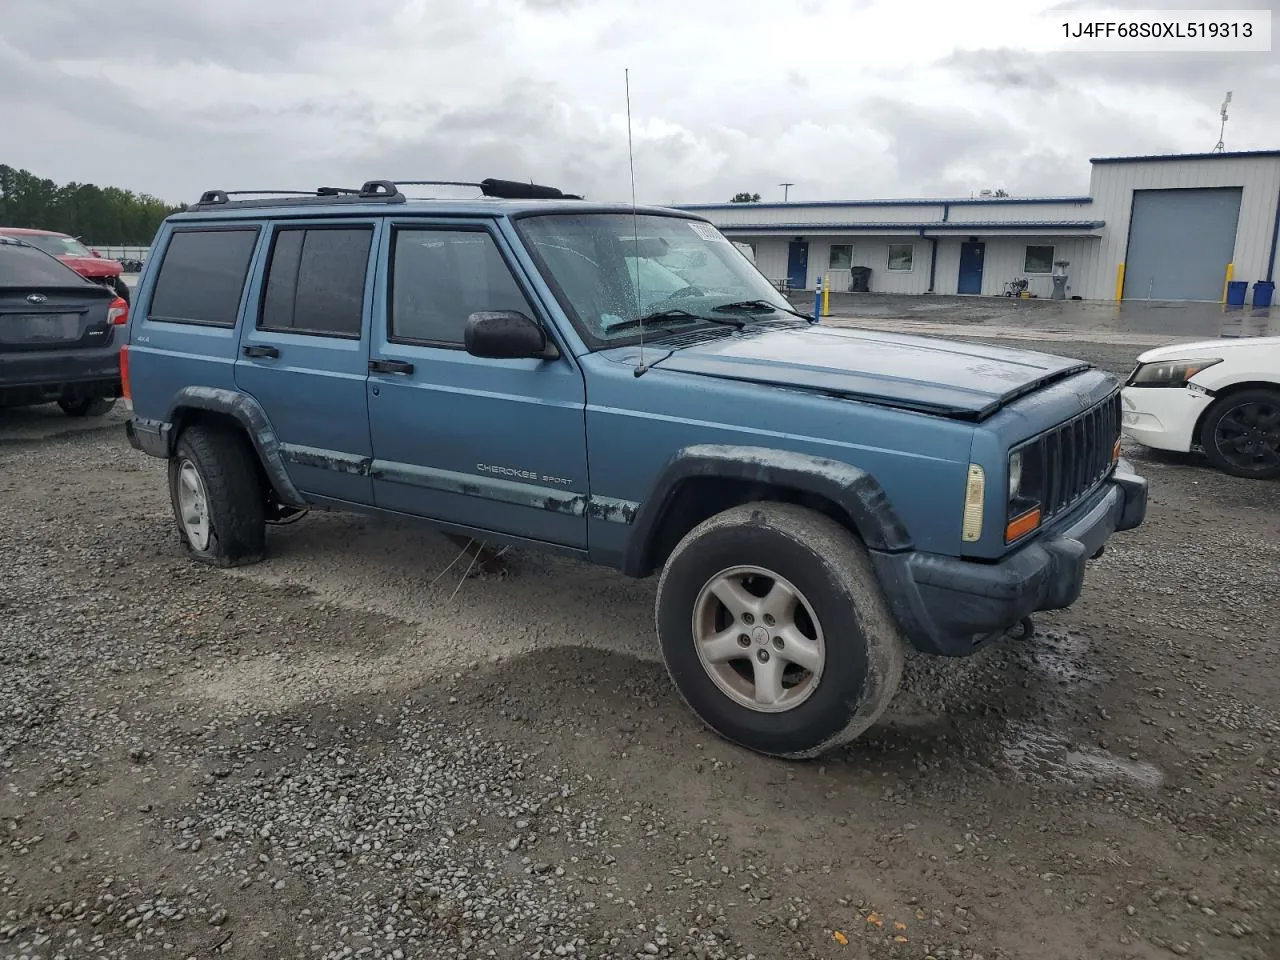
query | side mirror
(507,335)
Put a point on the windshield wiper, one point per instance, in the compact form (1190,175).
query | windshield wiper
(660,316)
(760,305)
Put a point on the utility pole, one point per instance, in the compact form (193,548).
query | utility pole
(786,190)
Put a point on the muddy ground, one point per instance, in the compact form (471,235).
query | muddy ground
(350,751)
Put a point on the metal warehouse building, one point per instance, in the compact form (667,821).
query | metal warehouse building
(1171,227)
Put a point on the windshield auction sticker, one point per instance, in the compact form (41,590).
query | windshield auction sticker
(707,232)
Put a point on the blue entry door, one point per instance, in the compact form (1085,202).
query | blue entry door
(798,264)
(488,444)
(971,257)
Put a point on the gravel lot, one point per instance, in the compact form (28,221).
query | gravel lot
(347,752)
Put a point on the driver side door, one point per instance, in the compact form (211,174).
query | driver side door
(490,444)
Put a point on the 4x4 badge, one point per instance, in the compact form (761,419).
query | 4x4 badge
(37,298)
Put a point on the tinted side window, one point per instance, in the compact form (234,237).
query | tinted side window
(202,276)
(441,277)
(315,281)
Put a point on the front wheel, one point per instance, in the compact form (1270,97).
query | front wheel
(775,632)
(1241,434)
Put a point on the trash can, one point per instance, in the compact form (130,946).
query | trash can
(1236,290)
(1059,287)
(859,279)
(1263,291)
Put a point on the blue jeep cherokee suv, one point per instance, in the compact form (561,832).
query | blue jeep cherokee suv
(622,385)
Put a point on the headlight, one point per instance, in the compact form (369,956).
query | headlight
(1168,373)
(1026,488)
(1015,474)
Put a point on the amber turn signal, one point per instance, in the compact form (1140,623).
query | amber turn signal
(1020,526)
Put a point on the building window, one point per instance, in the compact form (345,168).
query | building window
(841,256)
(1038,260)
(901,256)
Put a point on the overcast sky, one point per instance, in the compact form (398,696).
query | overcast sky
(847,98)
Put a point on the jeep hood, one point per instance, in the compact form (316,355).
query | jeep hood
(961,380)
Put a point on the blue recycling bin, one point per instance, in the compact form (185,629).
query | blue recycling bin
(1236,291)
(1263,291)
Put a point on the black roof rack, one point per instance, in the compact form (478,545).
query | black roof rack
(383,191)
(374,191)
(499,189)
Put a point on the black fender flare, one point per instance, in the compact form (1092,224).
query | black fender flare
(249,414)
(854,491)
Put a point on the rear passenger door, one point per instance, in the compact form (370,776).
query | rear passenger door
(304,352)
(497,445)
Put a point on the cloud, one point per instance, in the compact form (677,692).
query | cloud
(840,99)
(243,33)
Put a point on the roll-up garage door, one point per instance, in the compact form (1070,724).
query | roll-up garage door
(1180,242)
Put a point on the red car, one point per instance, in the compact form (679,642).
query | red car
(88,263)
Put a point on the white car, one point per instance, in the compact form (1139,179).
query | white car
(1220,396)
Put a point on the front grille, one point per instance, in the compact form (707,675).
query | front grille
(1075,456)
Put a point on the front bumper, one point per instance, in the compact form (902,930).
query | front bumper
(1164,418)
(952,607)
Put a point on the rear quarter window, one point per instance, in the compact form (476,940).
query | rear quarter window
(202,276)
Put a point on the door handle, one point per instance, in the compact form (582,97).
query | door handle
(390,366)
(258,350)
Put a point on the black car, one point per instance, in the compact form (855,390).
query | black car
(58,334)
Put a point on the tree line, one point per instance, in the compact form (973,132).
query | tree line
(108,216)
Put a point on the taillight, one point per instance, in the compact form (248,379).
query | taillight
(124,372)
(118,312)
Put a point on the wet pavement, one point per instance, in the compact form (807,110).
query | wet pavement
(1134,322)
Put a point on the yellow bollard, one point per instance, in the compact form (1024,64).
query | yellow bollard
(826,296)
(1120,282)
(1231,269)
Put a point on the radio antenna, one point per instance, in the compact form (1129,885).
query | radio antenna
(1221,145)
(635,222)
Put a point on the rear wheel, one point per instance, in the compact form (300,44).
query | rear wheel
(1241,434)
(217,497)
(87,406)
(775,632)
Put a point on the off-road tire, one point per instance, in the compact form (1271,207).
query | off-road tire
(237,508)
(1209,432)
(87,406)
(864,650)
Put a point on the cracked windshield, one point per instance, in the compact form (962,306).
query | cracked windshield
(615,271)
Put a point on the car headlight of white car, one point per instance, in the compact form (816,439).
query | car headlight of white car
(1169,373)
